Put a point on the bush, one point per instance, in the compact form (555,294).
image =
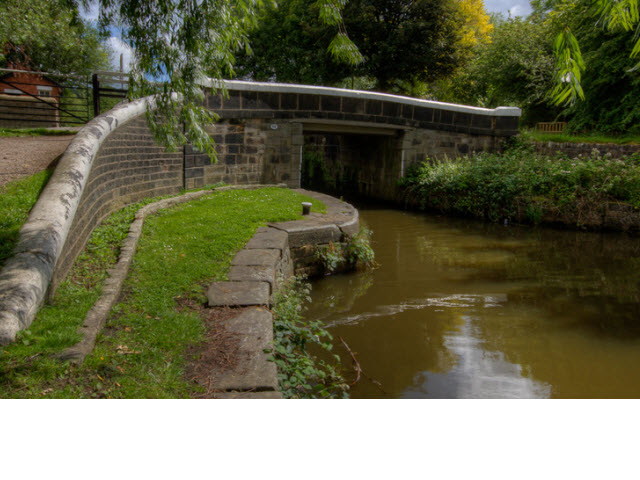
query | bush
(301,375)
(357,253)
(502,186)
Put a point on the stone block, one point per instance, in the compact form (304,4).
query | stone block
(268,239)
(310,234)
(253,273)
(352,105)
(269,100)
(330,104)
(289,101)
(240,294)
(309,102)
(248,395)
(253,371)
(258,256)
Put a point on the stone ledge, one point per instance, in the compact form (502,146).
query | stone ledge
(261,257)
(268,238)
(243,86)
(253,273)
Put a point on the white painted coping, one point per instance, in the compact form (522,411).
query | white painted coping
(26,276)
(242,86)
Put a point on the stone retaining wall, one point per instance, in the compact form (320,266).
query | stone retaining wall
(585,149)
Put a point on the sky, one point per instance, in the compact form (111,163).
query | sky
(517,8)
(513,8)
(115,41)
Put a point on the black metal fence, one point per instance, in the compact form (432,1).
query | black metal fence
(109,89)
(40,99)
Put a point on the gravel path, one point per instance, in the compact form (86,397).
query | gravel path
(24,156)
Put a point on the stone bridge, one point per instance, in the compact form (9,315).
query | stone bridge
(264,132)
(367,139)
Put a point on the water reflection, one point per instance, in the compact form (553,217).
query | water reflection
(460,309)
(477,373)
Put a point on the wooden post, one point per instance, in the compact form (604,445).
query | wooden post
(96,95)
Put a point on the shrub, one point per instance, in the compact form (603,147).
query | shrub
(301,375)
(357,253)
(500,186)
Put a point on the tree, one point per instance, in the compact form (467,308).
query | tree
(50,36)
(290,44)
(610,87)
(514,68)
(610,15)
(182,42)
(403,42)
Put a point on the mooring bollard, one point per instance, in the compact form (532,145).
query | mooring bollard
(306,208)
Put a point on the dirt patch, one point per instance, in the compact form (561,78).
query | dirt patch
(218,352)
(24,156)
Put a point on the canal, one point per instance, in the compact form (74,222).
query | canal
(462,309)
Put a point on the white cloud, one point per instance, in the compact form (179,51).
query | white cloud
(119,47)
(514,7)
(515,11)
(91,11)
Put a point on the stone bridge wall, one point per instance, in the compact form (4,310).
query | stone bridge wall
(379,135)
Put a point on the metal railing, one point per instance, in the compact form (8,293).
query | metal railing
(42,99)
(109,89)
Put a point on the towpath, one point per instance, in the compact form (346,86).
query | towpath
(24,156)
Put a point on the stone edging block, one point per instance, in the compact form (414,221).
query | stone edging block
(253,371)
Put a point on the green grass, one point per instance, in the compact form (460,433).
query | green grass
(33,132)
(16,200)
(580,138)
(142,353)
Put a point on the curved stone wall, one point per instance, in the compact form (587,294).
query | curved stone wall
(112,161)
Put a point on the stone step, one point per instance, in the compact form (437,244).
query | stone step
(267,237)
(253,273)
(238,294)
(253,372)
(261,256)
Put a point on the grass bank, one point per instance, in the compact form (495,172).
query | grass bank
(524,185)
(16,200)
(143,352)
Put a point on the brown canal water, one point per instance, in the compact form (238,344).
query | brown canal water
(461,309)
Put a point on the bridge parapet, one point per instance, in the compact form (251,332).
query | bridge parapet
(248,100)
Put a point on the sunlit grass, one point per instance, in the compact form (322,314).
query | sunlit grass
(16,201)
(142,352)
